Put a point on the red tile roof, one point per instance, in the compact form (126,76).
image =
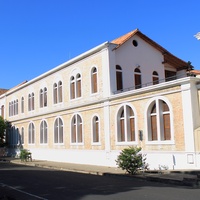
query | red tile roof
(121,40)
(197,72)
(2,91)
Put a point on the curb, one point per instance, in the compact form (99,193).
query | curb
(191,182)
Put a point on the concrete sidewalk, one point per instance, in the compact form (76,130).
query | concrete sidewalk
(182,178)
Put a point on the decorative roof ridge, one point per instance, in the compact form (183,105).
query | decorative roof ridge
(122,39)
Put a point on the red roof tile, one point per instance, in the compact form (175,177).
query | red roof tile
(2,91)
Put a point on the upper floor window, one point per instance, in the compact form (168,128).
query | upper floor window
(43,132)
(13,108)
(170,75)
(22,105)
(31,133)
(31,102)
(95,129)
(94,79)
(119,79)
(75,86)
(76,129)
(126,124)
(2,111)
(159,121)
(57,92)
(43,97)
(138,79)
(155,78)
(58,131)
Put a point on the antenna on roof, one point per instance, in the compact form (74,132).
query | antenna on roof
(197,36)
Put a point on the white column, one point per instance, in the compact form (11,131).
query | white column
(190,113)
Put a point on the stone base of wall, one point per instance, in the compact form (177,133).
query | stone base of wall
(156,160)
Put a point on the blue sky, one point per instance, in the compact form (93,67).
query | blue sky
(38,35)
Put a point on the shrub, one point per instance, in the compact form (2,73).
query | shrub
(131,160)
(25,155)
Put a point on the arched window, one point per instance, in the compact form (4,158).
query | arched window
(22,105)
(31,101)
(17,136)
(75,86)
(72,87)
(31,133)
(159,122)
(2,111)
(60,91)
(95,129)
(16,107)
(43,132)
(78,85)
(138,80)
(126,124)
(55,93)
(94,79)
(58,131)
(22,136)
(119,79)
(43,97)
(155,78)
(76,129)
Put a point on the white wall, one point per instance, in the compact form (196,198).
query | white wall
(147,57)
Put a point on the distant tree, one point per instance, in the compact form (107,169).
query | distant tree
(189,69)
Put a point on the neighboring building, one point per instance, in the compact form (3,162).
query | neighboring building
(2,91)
(130,91)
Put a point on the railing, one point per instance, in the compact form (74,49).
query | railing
(171,78)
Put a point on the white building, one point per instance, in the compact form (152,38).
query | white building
(130,91)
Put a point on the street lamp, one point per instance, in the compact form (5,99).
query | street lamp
(197,36)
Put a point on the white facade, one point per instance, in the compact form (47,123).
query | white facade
(97,103)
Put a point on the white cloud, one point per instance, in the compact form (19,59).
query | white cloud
(197,36)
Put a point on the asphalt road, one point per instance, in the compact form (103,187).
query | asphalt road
(34,183)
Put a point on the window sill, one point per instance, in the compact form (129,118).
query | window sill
(171,142)
(126,143)
(96,144)
(77,144)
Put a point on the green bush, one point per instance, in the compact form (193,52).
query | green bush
(131,160)
(25,155)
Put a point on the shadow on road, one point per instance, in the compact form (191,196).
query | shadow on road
(25,182)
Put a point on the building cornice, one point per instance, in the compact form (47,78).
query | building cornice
(60,67)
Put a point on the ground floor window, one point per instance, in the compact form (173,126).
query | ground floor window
(58,131)
(43,132)
(126,124)
(158,120)
(76,129)
(31,133)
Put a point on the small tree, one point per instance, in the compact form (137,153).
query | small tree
(2,131)
(4,127)
(131,160)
